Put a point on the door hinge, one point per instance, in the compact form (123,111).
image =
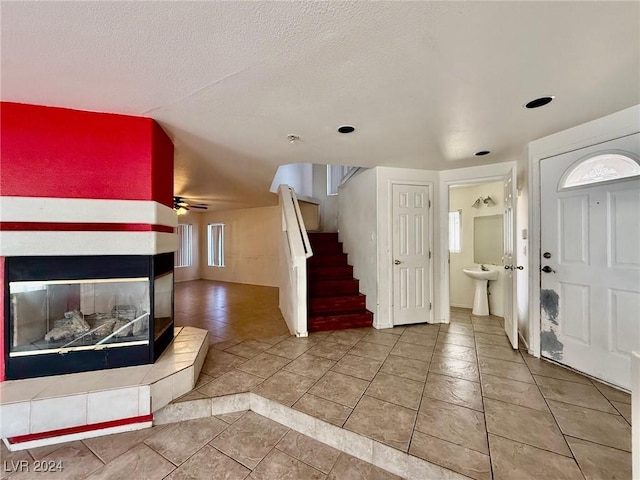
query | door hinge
(429,253)
(429,203)
(430,306)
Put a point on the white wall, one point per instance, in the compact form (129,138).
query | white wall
(251,248)
(328,204)
(357,230)
(296,175)
(461,287)
(522,253)
(183,274)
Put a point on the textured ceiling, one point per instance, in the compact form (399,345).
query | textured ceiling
(426,84)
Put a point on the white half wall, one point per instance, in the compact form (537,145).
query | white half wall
(357,231)
(184,274)
(251,246)
(296,175)
(328,204)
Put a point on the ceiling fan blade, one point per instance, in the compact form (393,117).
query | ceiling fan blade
(201,207)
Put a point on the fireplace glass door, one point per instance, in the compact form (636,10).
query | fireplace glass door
(61,316)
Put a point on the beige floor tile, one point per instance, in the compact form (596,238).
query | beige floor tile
(209,463)
(360,367)
(374,351)
(280,466)
(284,387)
(453,423)
(454,390)
(525,425)
(597,461)
(423,329)
(381,338)
(406,367)
(41,452)
(455,339)
(492,329)
(410,350)
(512,391)
(264,365)
(310,366)
(340,388)
(624,409)
(593,425)
(249,439)
(203,379)
(467,354)
(11,459)
(218,363)
(502,353)
(316,454)
(398,390)
(505,369)
(75,459)
(352,468)
(513,460)
(235,381)
(544,368)
(612,394)
(139,462)
(248,348)
(415,338)
(457,328)
(192,395)
(179,441)
(347,337)
(487,321)
(453,367)
(231,417)
(290,348)
(331,350)
(383,421)
(109,447)
(449,455)
(323,409)
(490,339)
(574,393)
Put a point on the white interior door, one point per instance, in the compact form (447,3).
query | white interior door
(411,254)
(590,247)
(509,260)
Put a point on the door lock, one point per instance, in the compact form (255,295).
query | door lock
(547,269)
(546,255)
(397,262)
(519,267)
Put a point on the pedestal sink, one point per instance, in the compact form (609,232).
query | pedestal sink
(481,277)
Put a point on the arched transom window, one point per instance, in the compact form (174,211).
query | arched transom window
(602,167)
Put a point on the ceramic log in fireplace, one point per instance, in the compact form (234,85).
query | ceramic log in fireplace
(73,314)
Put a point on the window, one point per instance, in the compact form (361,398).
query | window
(183,254)
(454,231)
(335,175)
(600,168)
(216,244)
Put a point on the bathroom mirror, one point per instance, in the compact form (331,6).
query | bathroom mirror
(487,240)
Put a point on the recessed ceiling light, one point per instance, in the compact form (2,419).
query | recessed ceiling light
(346,129)
(482,153)
(539,102)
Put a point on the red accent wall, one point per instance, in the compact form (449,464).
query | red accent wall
(62,153)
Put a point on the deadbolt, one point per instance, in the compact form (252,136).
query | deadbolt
(548,269)
(397,262)
(546,255)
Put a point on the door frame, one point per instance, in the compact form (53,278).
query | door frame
(416,183)
(611,127)
(484,174)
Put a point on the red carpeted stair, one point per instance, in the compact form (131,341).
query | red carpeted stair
(334,300)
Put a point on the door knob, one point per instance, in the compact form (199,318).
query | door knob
(548,269)
(519,267)
(507,267)
(397,262)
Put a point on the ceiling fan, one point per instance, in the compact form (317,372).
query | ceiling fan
(181,205)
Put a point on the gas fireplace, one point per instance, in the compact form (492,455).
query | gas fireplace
(72,314)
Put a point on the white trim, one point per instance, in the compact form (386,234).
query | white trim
(30,243)
(85,210)
(617,125)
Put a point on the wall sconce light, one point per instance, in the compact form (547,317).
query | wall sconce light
(488,201)
(477,203)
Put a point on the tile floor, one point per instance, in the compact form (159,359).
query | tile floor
(456,395)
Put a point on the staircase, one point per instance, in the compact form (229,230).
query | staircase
(334,300)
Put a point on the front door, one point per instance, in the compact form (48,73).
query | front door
(509,260)
(590,258)
(411,254)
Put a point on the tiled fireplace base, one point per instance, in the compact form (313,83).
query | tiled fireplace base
(388,458)
(49,410)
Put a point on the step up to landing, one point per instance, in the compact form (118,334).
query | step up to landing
(334,300)
(61,408)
